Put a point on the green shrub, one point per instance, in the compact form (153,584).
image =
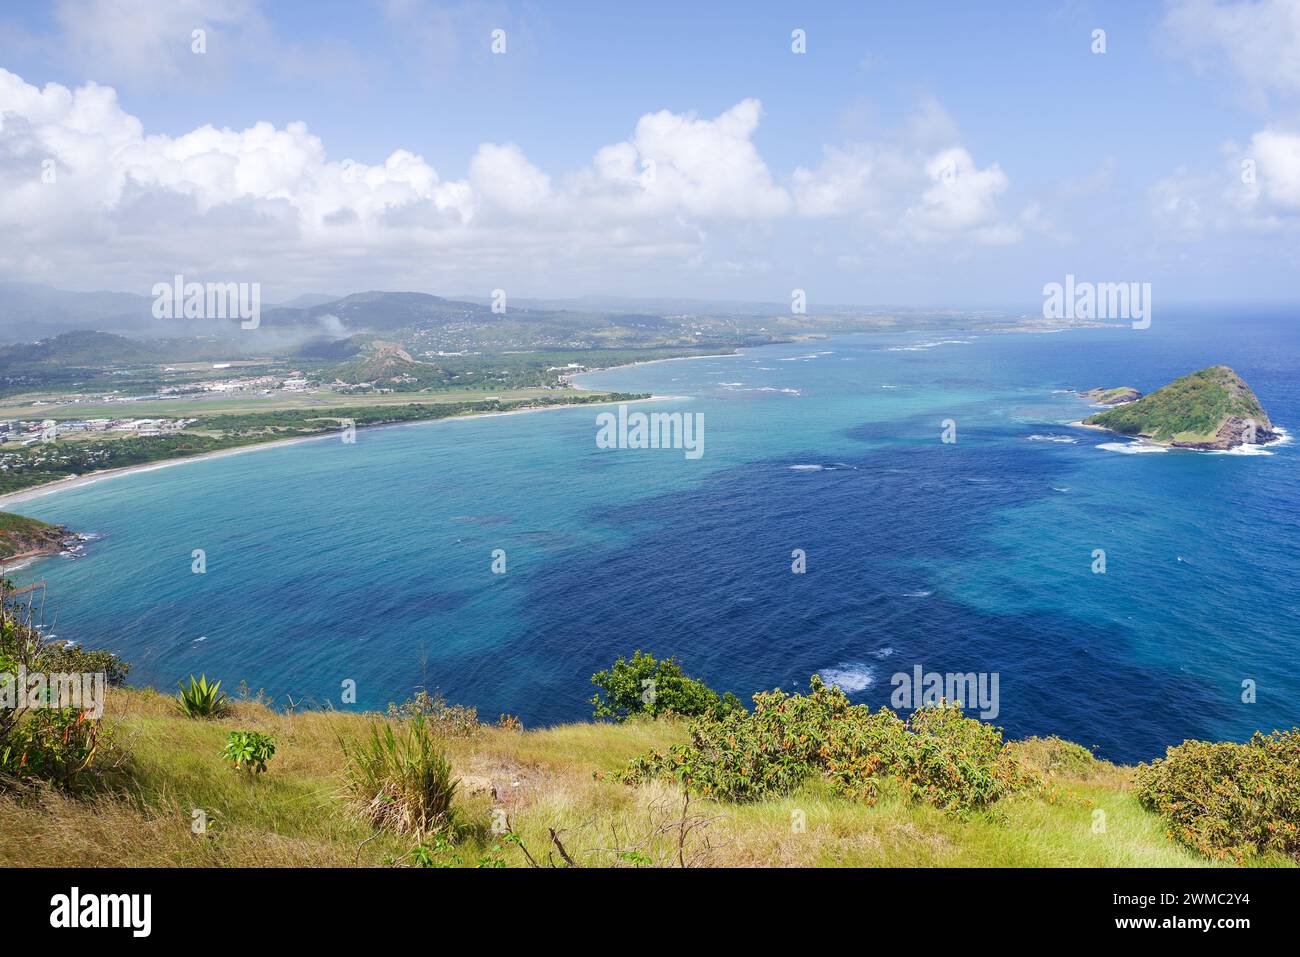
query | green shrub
(442,719)
(1229,800)
(55,745)
(646,686)
(69,659)
(202,700)
(248,751)
(943,757)
(400,779)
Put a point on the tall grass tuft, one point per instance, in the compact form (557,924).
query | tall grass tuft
(400,779)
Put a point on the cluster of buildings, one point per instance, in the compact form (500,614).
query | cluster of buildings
(264,385)
(22,432)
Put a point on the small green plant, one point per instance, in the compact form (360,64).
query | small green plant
(400,779)
(248,751)
(1229,800)
(646,686)
(202,700)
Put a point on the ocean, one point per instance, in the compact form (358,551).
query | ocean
(373,562)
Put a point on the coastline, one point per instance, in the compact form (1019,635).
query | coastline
(90,478)
(1283,437)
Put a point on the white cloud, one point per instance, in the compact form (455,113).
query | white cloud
(960,199)
(137,40)
(126,205)
(1277,171)
(909,192)
(1258,41)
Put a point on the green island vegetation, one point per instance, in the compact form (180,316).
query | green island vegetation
(1211,408)
(675,775)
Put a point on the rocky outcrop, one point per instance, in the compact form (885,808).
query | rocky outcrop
(1116,396)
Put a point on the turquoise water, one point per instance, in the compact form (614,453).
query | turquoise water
(373,561)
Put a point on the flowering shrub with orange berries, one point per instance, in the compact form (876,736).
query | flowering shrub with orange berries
(938,755)
(1229,800)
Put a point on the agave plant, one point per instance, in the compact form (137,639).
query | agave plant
(202,700)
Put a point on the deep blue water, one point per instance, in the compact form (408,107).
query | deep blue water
(372,561)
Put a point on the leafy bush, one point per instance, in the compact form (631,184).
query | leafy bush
(70,659)
(442,719)
(46,743)
(646,686)
(944,758)
(400,778)
(248,751)
(202,700)
(1229,800)
(55,745)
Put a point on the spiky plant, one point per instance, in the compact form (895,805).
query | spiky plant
(202,700)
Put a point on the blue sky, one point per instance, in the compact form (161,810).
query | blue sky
(946,154)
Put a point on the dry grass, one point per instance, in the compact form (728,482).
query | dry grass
(539,781)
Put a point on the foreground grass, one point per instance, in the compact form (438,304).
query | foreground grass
(557,778)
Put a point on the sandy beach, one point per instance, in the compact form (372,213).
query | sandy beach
(90,478)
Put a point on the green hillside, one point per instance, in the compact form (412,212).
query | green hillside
(20,535)
(1211,408)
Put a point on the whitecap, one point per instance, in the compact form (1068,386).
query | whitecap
(1131,448)
(882,653)
(1239,450)
(807,468)
(920,593)
(851,677)
(1052,437)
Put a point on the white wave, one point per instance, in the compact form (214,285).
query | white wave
(807,468)
(850,677)
(1239,450)
(1056,488)
(922,346)
(1131,448)
(1051,437)
(918,594)
(882,653)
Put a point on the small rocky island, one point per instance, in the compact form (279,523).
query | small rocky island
(1209,409)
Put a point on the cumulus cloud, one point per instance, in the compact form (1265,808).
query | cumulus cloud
(1276,183)
(918,185)
(86,192)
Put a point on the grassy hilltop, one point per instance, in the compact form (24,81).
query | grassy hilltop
(293,814)
(801,780)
